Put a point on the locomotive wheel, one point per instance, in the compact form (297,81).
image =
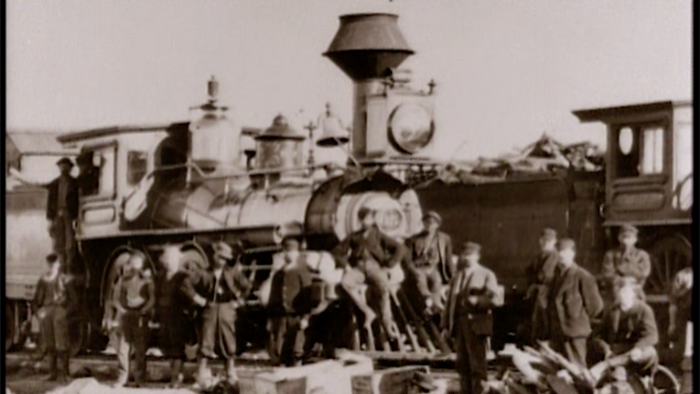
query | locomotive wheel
(668,256)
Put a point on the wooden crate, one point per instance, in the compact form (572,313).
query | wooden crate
(387,381)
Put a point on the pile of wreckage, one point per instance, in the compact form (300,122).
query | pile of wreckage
(545,156)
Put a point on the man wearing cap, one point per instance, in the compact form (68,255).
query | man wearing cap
(53,300)
(573,301)
(430,252)
(540,275)
(220,290)
(134,300)
(61,208)
(366,255)
(628,334)
(474,292)
(289,306)
(626,260)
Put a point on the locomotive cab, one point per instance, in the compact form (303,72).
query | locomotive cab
(649,162)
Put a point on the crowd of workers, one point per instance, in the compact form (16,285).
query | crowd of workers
(565,301)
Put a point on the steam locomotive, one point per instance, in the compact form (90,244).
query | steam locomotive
(194,182)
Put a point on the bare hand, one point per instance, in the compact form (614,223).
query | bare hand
(636,354)
(473,300)
(41,313)
(303,324)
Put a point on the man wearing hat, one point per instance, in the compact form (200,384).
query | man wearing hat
(61,208)
(467,317)
(53,300)
(540,275)
(134,300)
(573,301)
(289,306)
(626,260)
(366,256)
(628,334)
(430,252)
(220,290)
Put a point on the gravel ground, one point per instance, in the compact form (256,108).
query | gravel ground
(23,375)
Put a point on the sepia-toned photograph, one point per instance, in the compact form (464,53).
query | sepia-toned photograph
(352,197)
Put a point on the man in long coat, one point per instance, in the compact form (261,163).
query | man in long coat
(220,290)
(467,317)
(430,252)
(53,300)
(574,300)
(289,306)
(540,275)
(366,256)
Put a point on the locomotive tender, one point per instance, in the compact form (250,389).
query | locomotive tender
(188,184)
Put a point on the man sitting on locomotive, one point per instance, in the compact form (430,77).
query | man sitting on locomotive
(289,306)
(627,335)
(430,252)
(220,290)
(366,256)
(626,260)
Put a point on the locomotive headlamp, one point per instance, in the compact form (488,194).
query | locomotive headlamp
(411,128)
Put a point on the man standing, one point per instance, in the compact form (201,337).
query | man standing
(628,335)
(474,291)
(366,256)
(573,301)
(61,209)
(289,306)
(431,259)
(540,275)
(134,300)
(220,290)
(52,300)
(626,260)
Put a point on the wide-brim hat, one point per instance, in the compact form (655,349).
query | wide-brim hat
(64,160)
(223,249)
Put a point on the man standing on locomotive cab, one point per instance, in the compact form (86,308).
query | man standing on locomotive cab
(573,301)
(474,291)
(431,259)
(134,301)
(540,275)
(289,306)
(52,300)
(626,260)
(220,290)
(366,256)
(62,210)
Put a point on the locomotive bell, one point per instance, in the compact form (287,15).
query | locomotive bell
(214,138)
(280,146)
(333,132)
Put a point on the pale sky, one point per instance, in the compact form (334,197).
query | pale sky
(506,71)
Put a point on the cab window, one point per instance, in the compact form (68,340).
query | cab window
(137,167)
(97,167)
(640,150)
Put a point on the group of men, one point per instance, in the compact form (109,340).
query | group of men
(565,300)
